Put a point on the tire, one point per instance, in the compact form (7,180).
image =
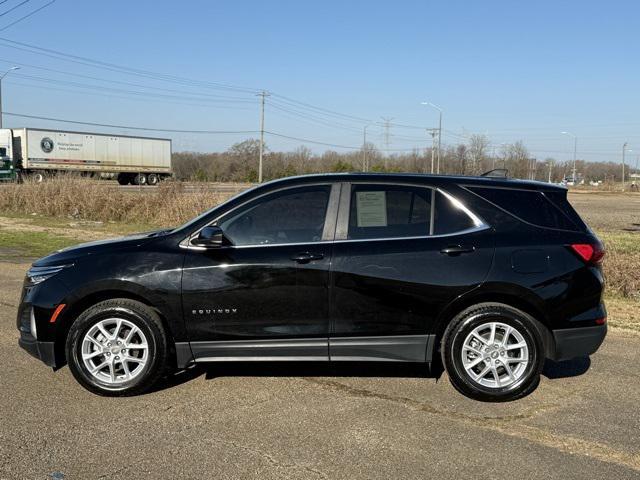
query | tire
(37,177)
(124,179)
(153,179)
(128,368)
(467,341)
(140,179)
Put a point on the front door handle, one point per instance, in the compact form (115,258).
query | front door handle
(306,257)
(455,250)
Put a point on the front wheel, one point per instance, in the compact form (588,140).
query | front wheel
(493,352)
(117,347)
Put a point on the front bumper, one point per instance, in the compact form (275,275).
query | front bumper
(577,342)
(43,351)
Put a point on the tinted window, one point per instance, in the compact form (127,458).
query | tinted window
(449,217)
(388,211)
(528,205)
(291,216)
(559,199)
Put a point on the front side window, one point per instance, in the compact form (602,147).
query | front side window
(290,216)
(389,211)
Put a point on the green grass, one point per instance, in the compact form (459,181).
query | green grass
(623,242)
(32,244)
(108,228)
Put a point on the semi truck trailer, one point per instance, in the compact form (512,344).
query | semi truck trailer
(37,153)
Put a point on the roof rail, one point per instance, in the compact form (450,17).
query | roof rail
(497,173)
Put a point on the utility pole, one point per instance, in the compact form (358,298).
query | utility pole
(439,132)
(575,150)
(1,77)
(262,94)
(365,167)
(624,149)
(387,138)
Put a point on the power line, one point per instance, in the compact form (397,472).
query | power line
(129,92)
(120,82)
(127,97)
(26,16)
(13,8)
(128,127)
(321,109)
(118,68)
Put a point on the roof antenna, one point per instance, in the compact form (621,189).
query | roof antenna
(497,173)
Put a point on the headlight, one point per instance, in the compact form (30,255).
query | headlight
(37,275)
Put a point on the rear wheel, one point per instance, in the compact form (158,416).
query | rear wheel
(117,347)
(153,179)
(140,179)
(493,352)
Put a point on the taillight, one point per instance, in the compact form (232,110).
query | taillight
(589,252)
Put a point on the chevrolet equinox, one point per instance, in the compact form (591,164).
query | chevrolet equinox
(490,275)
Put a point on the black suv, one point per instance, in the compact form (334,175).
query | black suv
(490,274)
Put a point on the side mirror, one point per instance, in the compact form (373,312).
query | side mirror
(209,237)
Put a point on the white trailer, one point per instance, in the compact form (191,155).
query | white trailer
(37,153)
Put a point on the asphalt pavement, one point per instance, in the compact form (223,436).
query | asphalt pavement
(312,421)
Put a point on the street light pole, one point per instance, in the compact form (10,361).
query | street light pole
(575,149)
(1,77)
(433,145)
(439,131)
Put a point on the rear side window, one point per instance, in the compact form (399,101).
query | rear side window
(559,199)
(528,205)
(389,211)
(449,217)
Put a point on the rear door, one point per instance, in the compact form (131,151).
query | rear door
(402,252)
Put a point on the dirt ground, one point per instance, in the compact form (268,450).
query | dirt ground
(608,211)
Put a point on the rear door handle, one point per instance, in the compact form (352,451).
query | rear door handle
(454,250)
(306,257)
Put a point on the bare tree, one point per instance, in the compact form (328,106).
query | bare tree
(478,146)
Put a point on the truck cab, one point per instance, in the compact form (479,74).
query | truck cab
(8,168)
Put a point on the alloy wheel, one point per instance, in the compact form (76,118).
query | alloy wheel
(495,355)
(115,351)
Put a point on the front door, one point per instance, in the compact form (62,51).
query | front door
(265,294)
(402,253)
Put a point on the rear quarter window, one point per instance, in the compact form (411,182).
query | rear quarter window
(530,206)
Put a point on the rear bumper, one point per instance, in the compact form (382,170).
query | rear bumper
(43,351)
(577,342)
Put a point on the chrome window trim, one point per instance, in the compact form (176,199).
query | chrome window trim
(350,240)
(344,194)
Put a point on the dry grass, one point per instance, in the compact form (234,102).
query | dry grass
(167,205)
(622,263)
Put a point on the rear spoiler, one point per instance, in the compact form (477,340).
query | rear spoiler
(497,173)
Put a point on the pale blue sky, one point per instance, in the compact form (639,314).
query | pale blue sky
(513,70)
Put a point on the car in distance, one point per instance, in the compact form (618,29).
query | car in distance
(490,275)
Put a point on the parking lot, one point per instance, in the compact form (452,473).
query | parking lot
(317,421)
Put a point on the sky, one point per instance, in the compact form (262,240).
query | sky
(510,70)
